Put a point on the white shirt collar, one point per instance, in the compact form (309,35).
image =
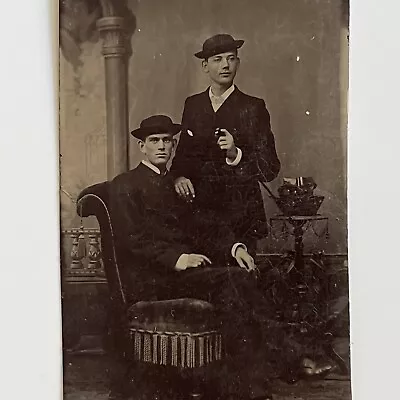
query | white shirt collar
(217,101)
(152,167)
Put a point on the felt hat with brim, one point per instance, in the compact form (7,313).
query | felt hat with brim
(218,44)
(156,124)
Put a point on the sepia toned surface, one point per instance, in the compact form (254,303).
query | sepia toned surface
(86,378)
(78,386)
(295,58)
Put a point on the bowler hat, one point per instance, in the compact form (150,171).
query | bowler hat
(217,44)
(156,124)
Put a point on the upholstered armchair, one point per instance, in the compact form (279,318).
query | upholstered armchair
(179,333)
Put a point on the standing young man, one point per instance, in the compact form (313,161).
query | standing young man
(229,145)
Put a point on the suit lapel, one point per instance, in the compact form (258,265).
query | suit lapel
(206,102)
(228,102)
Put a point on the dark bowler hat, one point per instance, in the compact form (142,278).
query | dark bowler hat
(219,44)
(156,124)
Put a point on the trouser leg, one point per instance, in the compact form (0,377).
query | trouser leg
(244,317)
(233,293)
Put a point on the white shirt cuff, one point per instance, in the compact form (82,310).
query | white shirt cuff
(236,161)
(181,264)
(235,247)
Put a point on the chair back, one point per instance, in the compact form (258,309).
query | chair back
(94,201)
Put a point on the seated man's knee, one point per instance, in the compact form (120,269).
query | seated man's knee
(240,276)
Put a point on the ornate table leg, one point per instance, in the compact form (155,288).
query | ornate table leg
(298,244)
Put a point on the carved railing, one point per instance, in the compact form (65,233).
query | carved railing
(81,258)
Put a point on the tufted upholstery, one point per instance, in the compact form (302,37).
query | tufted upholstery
(186,315)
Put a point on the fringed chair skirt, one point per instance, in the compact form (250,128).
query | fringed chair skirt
(178,349)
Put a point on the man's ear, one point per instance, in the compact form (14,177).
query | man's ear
(204,65)
(141,146)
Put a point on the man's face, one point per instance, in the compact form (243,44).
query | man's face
(222,68)
(158,148)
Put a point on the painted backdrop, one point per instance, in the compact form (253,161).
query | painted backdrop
(294,57)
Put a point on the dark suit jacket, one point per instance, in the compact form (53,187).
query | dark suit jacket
(153,227)
(224,188)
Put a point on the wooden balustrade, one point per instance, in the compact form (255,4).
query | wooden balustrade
(81,260)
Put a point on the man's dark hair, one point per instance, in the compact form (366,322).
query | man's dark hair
(233,51)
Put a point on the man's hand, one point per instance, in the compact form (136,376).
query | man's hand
(185,188)
(227,142)
(244,259)
(197,260)
(191,261)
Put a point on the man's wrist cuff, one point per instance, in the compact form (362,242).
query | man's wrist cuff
(236,161)
(235,247)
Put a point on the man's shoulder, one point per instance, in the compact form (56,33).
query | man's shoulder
(249,99)
(242,98)
(197,97)
(128,178)
(125,176)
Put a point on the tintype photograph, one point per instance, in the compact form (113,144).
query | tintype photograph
(203,198)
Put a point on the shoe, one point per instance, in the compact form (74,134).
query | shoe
(310,369)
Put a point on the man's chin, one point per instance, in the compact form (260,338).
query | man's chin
(225,80)
(161,162)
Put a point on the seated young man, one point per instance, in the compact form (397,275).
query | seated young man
(170,253)
(154,227)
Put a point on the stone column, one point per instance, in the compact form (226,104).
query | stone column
(114,51)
